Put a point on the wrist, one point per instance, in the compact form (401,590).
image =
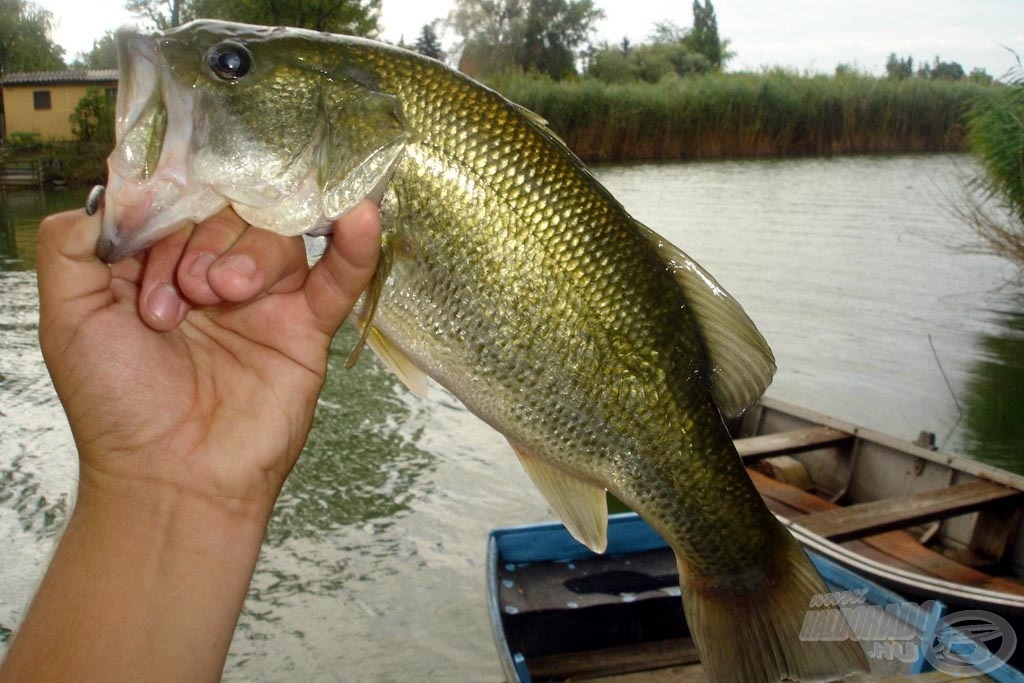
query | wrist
(166,518)
(140,565)
(162,503)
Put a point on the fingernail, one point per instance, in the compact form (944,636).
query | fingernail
(164,304)
(201,265)
(242,264)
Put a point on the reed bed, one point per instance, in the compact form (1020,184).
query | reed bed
(776,113)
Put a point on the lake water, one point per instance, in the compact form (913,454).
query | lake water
(856,270)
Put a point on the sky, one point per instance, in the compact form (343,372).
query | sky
(807,35)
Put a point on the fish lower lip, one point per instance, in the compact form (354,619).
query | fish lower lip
(107,250)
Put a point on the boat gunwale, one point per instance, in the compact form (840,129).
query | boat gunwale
(957,462)
(948,591)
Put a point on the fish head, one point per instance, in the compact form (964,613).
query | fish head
(284,125)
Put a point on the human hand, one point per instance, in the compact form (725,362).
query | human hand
(196,368)
(189,377)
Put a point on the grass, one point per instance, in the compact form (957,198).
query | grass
(995,132)
(775,113)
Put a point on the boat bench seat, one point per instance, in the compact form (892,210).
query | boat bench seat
(897,548)
(754,448)
(866,519)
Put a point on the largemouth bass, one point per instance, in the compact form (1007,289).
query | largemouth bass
(605,355)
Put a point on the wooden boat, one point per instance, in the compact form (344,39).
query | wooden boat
(900,521)
(926,524)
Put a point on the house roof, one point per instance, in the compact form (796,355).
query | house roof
(59,77)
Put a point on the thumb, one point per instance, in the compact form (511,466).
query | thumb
(346,268)
(72,281)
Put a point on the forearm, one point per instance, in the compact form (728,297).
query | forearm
(146,584)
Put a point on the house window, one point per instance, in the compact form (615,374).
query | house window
(41,99)
(110,93)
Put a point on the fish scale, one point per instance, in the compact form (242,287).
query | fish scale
(509,275)
(642,399)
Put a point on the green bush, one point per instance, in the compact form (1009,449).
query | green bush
(92,120)
(22,142)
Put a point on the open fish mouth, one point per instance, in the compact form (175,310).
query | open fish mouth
(147,192)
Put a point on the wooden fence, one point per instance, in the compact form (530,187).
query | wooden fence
(21,174)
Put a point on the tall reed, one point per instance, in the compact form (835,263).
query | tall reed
(730,115)
(995,132)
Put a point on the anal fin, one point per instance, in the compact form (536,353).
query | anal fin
(581,505)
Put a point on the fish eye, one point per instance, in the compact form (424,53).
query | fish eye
(229,61)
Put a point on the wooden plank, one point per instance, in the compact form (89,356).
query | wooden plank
(866,519)
(789,442)
(902,545)
(790,495)
(896,548)
(995,531)
(615,660)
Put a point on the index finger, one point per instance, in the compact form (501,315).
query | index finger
(72,281)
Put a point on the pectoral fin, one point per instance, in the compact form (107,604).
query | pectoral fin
(393,358)
(581,505)
(396,361)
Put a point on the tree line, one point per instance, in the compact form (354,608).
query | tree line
(549,37)
(553,38)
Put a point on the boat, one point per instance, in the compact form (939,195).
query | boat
(896,522)
(926,524)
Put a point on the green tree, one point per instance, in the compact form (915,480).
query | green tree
(947,71)
(93,118)
(897,69)
(981,76)
(657,60)
(357,17)
(489,30)
(428,43)
(25,42)
(523,35)
(354,17)
(103,54)
(612,64)
(669,51)
(163,13)
(553,32)
(703,38)
(940,70)
(668,32)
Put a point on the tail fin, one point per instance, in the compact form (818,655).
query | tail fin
(754,636)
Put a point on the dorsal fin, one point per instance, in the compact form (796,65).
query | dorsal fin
(581,505)
(742,364)
(540,124)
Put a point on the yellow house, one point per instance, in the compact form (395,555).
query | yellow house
(42,101)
